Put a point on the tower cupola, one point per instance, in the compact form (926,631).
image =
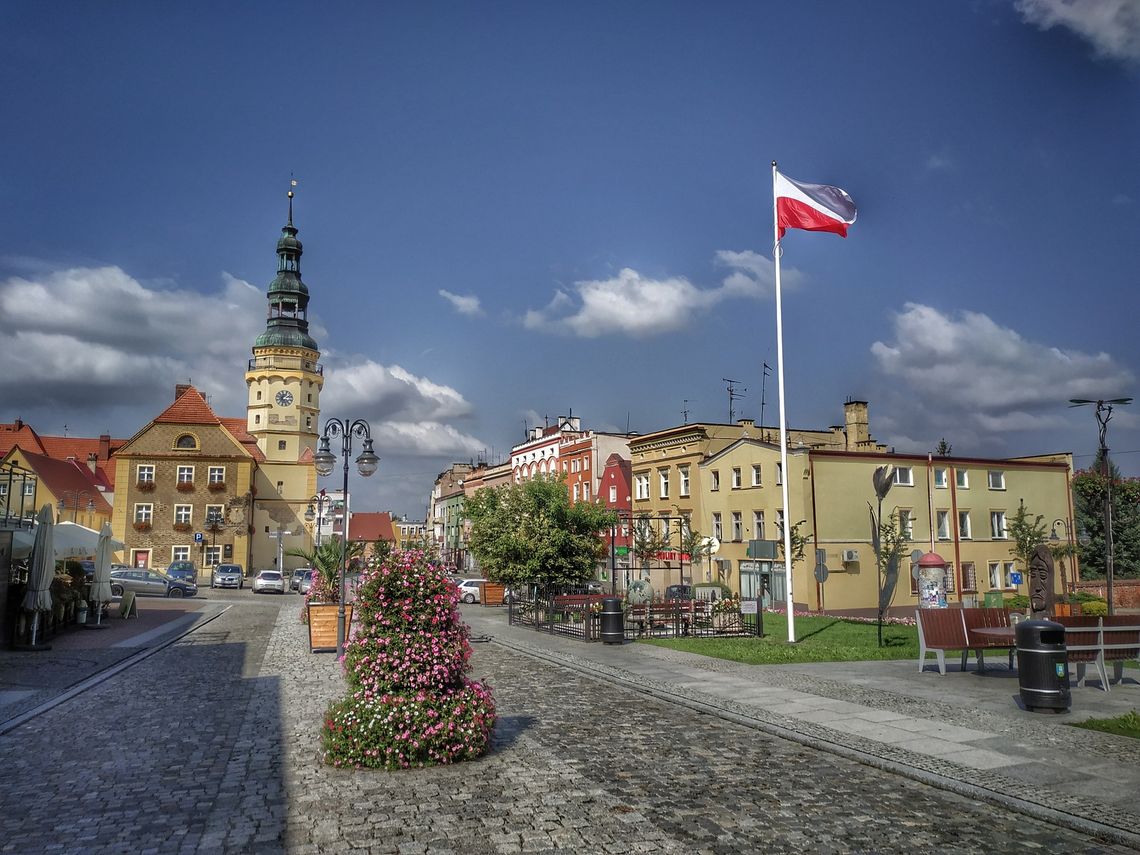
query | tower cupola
(287,323)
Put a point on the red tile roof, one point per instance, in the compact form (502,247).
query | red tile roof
(62,447)
(67,478)
(190,408)
(371,527)
(248,441)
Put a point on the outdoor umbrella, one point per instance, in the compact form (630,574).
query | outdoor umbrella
(101,587)
(69,540)
(42,571)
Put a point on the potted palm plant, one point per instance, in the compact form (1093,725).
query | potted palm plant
(322,603)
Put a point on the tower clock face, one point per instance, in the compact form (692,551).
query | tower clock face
(285,398)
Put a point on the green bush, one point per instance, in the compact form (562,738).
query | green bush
(1019,601)
(1096,608)
(1084,597)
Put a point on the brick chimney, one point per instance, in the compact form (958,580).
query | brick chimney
(858,424)
(92,461)
(104,446)
(180,390)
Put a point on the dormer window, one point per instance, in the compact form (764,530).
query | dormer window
(187,441)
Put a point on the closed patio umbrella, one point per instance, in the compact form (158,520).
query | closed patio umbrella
(101,586)
(42,570)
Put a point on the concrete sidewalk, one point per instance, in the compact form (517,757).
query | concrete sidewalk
(31,680)
(962,732)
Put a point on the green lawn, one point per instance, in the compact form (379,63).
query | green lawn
(819,639)
(1123,725)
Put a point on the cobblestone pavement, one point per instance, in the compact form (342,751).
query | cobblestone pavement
(211,745)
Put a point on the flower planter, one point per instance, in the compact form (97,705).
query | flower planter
(322,625)
(493,593)
(145,486)
(185,487)
(141,526)
(216,486)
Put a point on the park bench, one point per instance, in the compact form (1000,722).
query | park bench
(940,630)
(1100,640)
(985,618)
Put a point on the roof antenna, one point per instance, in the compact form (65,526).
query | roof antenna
(292,184)
(732,396)
(685,411)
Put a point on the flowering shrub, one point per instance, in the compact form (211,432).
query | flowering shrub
(144,486)
(216,486)
(410,704)
(726,605)
(185,486)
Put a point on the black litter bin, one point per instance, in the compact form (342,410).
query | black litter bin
(613,621)
(1043,665)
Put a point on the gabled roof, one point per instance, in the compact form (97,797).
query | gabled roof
(248,441)
(190,408)
(371,527)
(67,479)
(80,448)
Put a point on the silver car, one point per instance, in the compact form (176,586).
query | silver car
(227,576)
(153,582)
(269,580)
(306,583)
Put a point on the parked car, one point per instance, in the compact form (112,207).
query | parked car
(298,574)
(306,583)
(469,590)
(227,576)
(184,570)
(152,583)
(679,592)
(269,580)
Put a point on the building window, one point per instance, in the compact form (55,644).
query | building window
(575,492)
(217,475)
(280,487)
(718,532)
(758,525)
(964,525)
(144,513)
(943,518)
(613,495)
(737,527)
(962,479)
(663,476)
(684,471)
(29,488)
(779,474)
(186,441)
(940,479)
(585,464)
(665,531)
(996,480)
(641,486)
(257,419)
(998,530)
(586,491)
(969,577)
(3,489)
(259,395)
(755,474)
(180,553)
(904,476)
(715,484)
(185,474)
(145,474)
(906,523)
(736,478)
(282,444)
(1001,577)
(779,525)
(308,421)
(183,513)
(215,511)
(213,555)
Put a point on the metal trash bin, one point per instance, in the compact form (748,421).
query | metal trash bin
(1043,665)
(613,621)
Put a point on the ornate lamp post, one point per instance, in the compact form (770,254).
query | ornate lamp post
(214,522)
(1103,414)
(366,464)
(320,501)
(75,494)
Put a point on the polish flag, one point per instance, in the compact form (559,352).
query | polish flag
(815,207)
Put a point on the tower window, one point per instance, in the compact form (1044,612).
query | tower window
(257,419)
(259,395)
(281,445)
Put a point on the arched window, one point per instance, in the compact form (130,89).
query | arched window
(187,440)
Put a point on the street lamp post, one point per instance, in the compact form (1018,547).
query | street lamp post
(1103,415)
(366,464)
(75,494)
(321,501)
(1082,539)
(213,525)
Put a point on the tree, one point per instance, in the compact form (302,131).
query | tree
(1089,488)
(943,448)
(696,545)
(529,533)
(647,542)
(326,561)
(889,542)
(799,541)
(1026,535)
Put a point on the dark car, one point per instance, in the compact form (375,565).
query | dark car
(679,592)
(152,583)
(184,571)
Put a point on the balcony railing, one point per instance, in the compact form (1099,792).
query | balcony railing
(284,363)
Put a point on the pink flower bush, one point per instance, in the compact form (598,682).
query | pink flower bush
(410,703)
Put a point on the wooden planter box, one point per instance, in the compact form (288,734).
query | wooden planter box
(492,594)
(322,625)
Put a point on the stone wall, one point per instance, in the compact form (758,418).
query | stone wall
(1125,592)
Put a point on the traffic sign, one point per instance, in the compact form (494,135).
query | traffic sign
(199,537)
(821,573)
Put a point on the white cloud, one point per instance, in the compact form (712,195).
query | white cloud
(636,305)
(1111,26)
(99,350)
(464,304)
(969,379)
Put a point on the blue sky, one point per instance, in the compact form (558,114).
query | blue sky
(512,211)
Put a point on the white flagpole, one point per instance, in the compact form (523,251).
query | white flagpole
(787,532)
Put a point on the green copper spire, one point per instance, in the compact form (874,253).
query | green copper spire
(287,324)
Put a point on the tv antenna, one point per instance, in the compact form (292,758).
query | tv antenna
(733,394)
(767,370)
(685,411)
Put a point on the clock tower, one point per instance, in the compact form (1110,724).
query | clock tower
(284,378)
